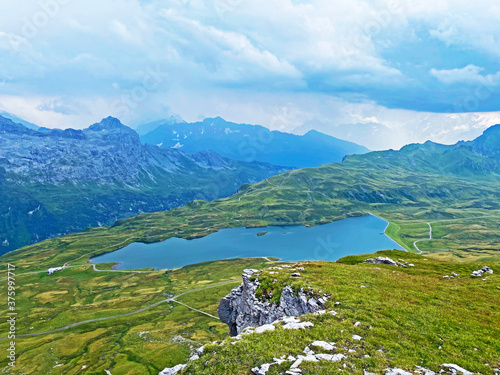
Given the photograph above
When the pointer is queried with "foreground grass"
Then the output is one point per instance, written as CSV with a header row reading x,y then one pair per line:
x,y
408,317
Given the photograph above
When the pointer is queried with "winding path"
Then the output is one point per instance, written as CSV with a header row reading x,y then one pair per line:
x,y
444,221
425,239
173,299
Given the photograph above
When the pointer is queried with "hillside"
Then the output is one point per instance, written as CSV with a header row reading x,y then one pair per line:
x,y
415,319
252,142
58,181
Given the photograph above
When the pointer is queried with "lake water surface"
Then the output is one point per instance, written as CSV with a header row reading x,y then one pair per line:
x,y
359,235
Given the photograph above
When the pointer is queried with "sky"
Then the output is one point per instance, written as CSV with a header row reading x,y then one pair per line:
x,y
418,70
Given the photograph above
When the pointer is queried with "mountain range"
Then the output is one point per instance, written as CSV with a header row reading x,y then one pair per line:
x,y
479,158
59,181
252,143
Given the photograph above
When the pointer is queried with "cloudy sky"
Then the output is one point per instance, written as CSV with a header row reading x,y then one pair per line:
x,y
418,70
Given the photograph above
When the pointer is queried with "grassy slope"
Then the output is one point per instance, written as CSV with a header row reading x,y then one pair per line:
x,y
409,316
144,343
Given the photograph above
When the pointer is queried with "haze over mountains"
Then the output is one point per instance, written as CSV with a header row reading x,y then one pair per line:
x,y
385,134
252,142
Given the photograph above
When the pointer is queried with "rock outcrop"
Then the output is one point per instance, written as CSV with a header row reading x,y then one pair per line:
x,y
383,260
242,309
482,271
173,370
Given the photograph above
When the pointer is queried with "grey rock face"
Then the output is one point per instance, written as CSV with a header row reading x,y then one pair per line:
x,y
241,309
482,271
382,260
105,153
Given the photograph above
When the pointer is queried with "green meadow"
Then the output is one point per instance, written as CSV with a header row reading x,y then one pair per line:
x,y
407,317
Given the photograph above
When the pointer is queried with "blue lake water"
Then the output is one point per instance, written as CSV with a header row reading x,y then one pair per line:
x,y
359,235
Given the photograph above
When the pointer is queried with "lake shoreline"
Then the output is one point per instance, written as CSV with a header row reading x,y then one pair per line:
x,y
324,242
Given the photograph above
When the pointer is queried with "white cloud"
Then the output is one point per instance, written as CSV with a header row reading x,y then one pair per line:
x,y
469,74
279,63
226,48
56,112
467,24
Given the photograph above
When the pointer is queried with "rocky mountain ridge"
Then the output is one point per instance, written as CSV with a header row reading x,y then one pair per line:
x,y
57,181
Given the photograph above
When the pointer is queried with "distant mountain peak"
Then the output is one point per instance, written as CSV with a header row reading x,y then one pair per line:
x,y
488,144
107,123
150,126
315,133
18,120
495,129
215,120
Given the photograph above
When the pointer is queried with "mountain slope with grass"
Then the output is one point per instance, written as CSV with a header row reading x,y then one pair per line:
x,y
252,142
379,317
86,319
55,181
408,317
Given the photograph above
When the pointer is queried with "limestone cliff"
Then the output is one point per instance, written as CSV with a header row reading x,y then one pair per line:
x,y
241,308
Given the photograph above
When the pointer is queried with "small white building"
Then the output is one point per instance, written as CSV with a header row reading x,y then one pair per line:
x,y
50,271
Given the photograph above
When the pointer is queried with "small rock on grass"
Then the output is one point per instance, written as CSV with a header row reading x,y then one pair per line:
x,y
482,271
324,345
455,369
173,370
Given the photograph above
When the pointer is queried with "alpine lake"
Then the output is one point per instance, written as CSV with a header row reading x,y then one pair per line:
x,y
327,242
